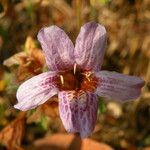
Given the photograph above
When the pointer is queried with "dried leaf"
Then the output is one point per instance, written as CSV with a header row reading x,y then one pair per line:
x,y
11,135
34,115
29,62
17,59
68,142
32,51
50,109
29,44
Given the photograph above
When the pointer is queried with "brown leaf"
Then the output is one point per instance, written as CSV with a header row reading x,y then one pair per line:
x,y
29,44
28,66
37,55
146,148
50,108
12,134
68,142
17,59
29,62
34,116
32,50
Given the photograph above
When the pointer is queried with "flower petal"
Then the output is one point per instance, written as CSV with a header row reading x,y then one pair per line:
x,y
36,91
90,46
57,47
78,111
118,86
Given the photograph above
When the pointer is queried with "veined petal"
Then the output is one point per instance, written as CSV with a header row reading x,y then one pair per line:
x,y
36,91
90,46
118,86
57,47
78,111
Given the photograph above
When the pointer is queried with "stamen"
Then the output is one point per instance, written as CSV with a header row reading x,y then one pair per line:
x,y
88,79
62,79
77,79
75,68
88,75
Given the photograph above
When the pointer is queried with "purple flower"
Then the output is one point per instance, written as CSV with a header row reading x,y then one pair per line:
x,y
76,77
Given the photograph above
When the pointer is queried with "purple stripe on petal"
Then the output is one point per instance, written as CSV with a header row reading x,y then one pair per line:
x,y
79,114
118,86
87,120
57,47
67,105
90,46
36,91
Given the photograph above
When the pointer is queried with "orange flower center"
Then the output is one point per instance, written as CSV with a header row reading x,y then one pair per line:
x,y
77,80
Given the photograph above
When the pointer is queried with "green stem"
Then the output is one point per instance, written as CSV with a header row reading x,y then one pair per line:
x,y
78,13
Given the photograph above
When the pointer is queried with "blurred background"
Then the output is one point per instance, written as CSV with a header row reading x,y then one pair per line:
x,y
120,126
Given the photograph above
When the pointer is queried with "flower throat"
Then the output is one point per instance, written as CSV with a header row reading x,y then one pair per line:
x,y
77,79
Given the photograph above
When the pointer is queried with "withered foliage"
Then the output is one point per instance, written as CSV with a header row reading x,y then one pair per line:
x,y
50,109
27,63
11,136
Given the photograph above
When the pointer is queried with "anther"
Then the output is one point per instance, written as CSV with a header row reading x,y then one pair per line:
x,y
75,68
87,75
62,79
